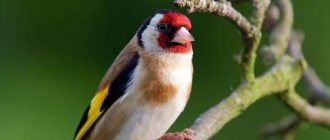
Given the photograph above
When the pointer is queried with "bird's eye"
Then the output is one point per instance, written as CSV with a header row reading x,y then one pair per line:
x,y
163,27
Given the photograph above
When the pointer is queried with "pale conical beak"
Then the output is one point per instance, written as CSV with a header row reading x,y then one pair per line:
x,y
182,36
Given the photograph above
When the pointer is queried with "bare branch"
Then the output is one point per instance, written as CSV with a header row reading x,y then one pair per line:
x,y
285,127
250,32
219,8
279,36
272,17
306,111
317,89
248,56
295,43
260,7
286,72
280,78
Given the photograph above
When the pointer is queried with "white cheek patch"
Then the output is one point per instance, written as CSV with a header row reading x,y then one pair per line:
x,y
150,35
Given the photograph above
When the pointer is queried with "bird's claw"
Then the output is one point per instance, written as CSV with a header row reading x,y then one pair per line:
x,y
184,135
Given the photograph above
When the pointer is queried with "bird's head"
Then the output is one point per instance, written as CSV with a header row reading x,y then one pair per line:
x,y
166,31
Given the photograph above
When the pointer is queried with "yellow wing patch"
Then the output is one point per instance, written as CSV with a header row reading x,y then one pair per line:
x,y
94,112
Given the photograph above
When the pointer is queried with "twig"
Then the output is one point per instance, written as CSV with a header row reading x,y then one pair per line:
x,y
259,10
305,110
277,79
284,127
279,36
272,17
287,126
281,77
248,56
250,31
220,8
317,92
317,89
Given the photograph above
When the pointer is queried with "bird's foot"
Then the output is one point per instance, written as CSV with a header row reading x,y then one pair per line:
x,y
184,135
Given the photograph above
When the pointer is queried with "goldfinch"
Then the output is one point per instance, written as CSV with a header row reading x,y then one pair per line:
x,y
147,86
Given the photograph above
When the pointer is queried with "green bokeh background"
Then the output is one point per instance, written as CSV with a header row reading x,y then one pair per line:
x,y
53,54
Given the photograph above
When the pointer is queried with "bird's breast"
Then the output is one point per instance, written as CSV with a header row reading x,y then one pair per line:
x,y
160,81
157,96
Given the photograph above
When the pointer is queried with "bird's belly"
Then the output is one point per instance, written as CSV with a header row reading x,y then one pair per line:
x,y
149,107
155,104
148,122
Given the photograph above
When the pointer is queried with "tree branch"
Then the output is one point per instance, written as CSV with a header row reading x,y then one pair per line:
x,y
285,127
258,16
306,111
279,36
248,56
219,8
250,32
279,79
318,91
286,72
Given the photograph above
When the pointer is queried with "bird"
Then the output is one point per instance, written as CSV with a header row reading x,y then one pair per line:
x,y
147,86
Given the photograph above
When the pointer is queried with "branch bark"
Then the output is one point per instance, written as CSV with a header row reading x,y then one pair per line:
x,y
305,110
280,79
279,36
287,72
285,127
316,87
318,91
250,31
249,55
221,9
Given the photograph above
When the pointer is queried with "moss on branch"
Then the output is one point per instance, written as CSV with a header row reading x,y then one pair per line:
x,y
279,78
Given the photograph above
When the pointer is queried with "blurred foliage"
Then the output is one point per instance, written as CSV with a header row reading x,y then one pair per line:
x,y
53,54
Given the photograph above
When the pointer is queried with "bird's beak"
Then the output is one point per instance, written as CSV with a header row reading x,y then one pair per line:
x,y
182,36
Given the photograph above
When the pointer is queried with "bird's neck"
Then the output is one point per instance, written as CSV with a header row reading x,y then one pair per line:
x,y
165,58
164,76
